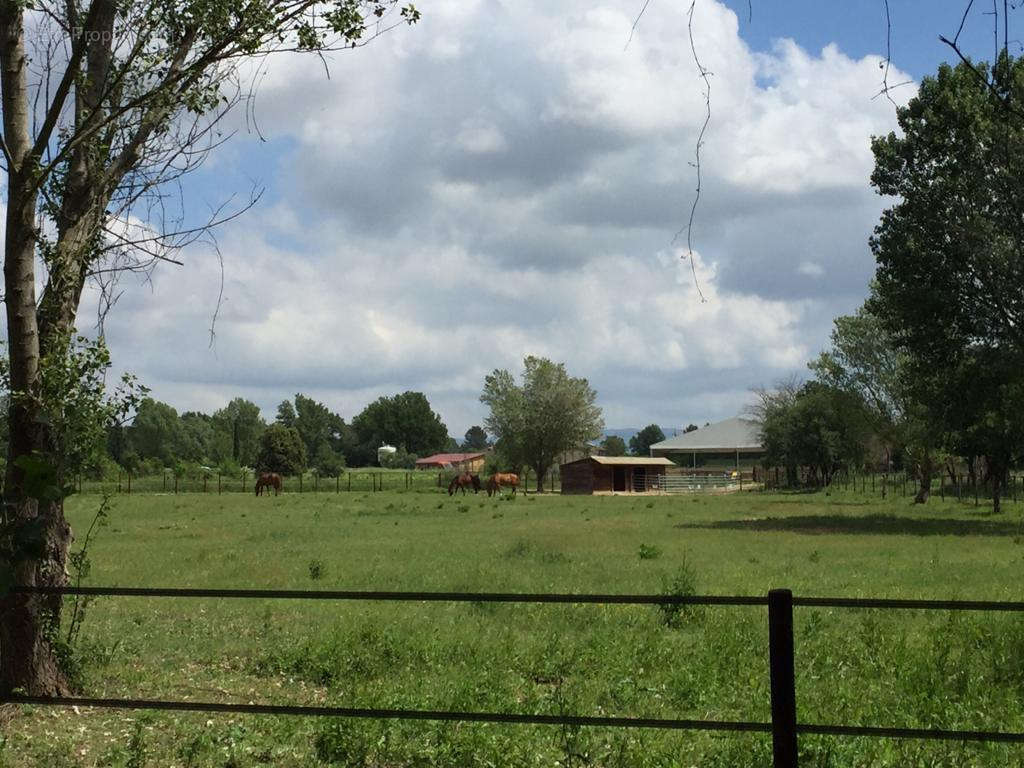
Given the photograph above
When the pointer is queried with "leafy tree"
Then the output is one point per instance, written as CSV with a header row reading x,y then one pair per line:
x,y
322,432
475,439
286,415
239,426
156,432
549,414
814,426
640,443
196,437
950,252
404,420
865,359
281,450
614,445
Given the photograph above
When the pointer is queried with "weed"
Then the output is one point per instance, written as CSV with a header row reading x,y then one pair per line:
x,y
649,552
316,569
682,583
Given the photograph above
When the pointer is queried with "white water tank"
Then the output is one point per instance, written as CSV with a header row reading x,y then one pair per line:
x,y
385,450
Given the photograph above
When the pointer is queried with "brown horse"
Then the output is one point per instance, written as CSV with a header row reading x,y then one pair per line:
x,y
463,480
500,479
266,481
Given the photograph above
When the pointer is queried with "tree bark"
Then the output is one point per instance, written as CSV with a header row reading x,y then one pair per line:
x,y
925,468
27,622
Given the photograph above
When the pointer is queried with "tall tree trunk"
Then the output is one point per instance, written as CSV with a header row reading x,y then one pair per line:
x,y
925,469
27,623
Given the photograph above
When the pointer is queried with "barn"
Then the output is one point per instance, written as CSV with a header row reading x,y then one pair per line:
x,y
611,474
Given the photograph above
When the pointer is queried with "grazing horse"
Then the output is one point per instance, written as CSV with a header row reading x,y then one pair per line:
x,y
266,481
499,479
461,481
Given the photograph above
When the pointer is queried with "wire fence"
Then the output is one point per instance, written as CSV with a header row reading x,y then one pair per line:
x,y
784,727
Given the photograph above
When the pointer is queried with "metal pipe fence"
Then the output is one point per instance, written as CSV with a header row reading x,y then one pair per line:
x,y
785,727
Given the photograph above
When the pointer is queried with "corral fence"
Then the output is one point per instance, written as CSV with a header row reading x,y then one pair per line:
x,y
244,482
962,487
785,727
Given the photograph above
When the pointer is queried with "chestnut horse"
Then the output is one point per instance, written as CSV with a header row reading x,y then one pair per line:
x,y
462,481
266,481
499,479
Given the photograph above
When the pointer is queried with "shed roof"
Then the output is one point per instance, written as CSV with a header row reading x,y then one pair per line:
x,y
729,435
629,461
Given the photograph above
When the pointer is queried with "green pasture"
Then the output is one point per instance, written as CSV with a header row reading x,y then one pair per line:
x,y
861,667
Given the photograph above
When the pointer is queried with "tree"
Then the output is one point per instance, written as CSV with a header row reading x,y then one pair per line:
x,y
549,414
196,437
475,439
238,426
816,426
281,450
950,252
865,359
405,421
127,100
613,445
640,443
321,430
156,432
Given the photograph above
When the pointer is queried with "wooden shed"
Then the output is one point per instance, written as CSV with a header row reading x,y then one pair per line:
x,y
613,474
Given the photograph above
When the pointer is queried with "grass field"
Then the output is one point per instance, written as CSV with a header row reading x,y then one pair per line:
x,y
907,668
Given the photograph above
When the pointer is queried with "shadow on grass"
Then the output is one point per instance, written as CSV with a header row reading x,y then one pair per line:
x,y
867,524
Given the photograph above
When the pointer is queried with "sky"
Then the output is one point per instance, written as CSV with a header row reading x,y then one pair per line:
x,y
510,178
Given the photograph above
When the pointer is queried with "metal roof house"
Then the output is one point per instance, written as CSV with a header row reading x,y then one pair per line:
x,y
730,443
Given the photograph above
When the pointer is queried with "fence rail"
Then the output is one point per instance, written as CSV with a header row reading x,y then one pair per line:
x,y
784,727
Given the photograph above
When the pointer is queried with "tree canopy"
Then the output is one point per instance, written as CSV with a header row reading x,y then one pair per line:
x,y
640,443
405,421
950,253
548,414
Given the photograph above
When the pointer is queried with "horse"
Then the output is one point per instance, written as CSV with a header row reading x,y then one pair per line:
x,y
499,479
461,481
266,481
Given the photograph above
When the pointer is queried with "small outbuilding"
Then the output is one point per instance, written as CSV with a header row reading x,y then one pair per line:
x,y
461,462
613,474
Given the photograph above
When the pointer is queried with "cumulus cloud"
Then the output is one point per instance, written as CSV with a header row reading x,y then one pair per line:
x,y
506,179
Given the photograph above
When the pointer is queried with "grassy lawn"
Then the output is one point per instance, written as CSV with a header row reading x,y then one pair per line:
x,y
906,668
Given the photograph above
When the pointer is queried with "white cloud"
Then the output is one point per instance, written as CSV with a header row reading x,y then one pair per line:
x,y
504,179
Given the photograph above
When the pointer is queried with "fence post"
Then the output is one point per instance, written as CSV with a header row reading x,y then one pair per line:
x,y
129,483
783,680
337,483
350,481
218,483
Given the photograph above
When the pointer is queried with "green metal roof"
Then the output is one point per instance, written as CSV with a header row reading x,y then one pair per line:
x,y
729,435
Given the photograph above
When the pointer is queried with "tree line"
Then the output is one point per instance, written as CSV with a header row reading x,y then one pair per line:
x,y
304,435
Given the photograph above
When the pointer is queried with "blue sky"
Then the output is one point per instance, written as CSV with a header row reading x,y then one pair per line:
x,y
504,179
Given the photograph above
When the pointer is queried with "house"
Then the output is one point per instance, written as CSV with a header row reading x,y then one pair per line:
x,y
730,444
461,462
610,474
